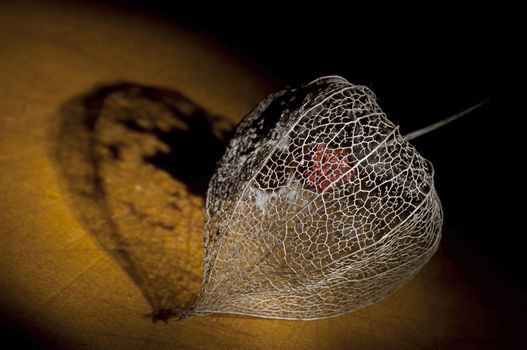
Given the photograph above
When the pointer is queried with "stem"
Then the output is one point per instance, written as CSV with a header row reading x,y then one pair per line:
x,y
415,134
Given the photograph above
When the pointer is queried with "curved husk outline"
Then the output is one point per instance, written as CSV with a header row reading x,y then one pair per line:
x,y
278,248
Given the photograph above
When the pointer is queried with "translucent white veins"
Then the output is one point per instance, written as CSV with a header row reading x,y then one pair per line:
x,y
318,207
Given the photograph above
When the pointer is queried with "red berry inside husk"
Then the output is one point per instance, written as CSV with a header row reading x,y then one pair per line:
x,y
328,168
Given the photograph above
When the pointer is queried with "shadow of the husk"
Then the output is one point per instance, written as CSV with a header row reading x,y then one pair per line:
x,y
134,163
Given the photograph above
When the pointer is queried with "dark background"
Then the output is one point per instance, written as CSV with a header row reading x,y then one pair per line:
x,y
424,64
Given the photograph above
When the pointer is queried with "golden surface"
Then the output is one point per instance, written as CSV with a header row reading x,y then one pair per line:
x,y
57,281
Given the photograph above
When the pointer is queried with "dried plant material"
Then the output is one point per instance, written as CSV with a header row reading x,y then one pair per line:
x,y
318,207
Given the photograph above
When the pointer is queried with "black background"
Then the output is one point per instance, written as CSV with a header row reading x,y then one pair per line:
x,y
424,64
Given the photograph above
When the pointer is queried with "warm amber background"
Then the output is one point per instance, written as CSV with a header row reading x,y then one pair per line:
x,y
59,287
